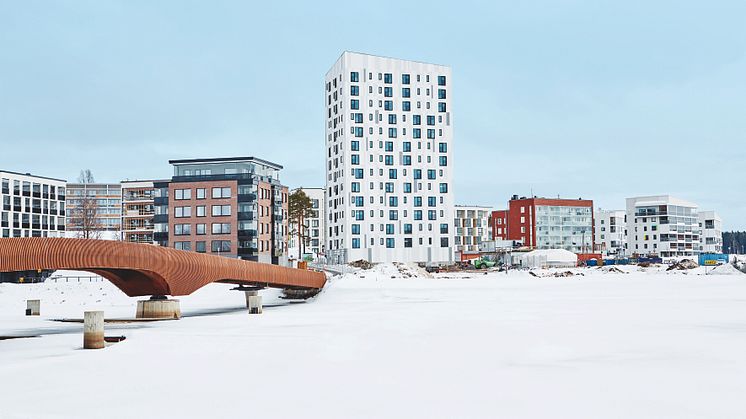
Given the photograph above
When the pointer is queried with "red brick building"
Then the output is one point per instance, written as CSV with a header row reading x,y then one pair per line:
x,y
543,223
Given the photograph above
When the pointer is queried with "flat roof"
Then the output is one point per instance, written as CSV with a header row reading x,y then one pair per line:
x,y
32,175
225,159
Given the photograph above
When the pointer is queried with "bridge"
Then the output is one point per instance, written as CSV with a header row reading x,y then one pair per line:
x,y
145,269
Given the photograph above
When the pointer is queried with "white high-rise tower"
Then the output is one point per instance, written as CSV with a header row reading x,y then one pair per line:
x,y
388,150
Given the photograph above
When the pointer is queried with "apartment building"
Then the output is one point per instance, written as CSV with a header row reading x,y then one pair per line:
x,y
107,200
234,207
662,225
388,160
314,227
499,225
711,226
138,210
32,206
543,223
471,228
610,228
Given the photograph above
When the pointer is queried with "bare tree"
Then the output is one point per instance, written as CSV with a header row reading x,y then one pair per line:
x,y
84,215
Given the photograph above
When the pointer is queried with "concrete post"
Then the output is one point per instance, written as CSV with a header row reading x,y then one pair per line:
x,y
33,307
158,308
254,303
250,294
93,330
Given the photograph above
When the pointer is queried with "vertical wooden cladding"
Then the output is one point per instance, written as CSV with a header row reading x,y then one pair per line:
x,y
143,269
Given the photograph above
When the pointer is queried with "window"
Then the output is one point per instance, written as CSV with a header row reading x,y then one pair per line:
x,y
389,160
356,229
388,105
443,161
416,133
443,188
442,147
221,228
407,242
388,91
441,80
200,247
405,92
441,106
221,210
201,193
359,215
221,193
406,106
431,119
417,174
441,93
407,228
182,212
355,145
418,215
181,194
431,134
387,78
183,246
201,229
182,229
405,79
444,242
354,76
431,174
392,173
355,91
407,187
355,159
390,243
393,215
354,104
358,173
355,243
355,186
358,117
392,132
389,229
431,201
221,246
407,160
431,215
201,210
393,201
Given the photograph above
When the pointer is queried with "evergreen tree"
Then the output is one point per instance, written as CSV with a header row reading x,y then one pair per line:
x,y
300,207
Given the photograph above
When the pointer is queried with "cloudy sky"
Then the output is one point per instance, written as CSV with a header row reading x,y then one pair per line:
x,y
593,99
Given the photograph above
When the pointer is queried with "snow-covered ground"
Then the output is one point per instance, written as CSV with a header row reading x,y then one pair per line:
x,y
642,344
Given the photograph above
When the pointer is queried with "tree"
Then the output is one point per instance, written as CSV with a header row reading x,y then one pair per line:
x,y
300,207
84,215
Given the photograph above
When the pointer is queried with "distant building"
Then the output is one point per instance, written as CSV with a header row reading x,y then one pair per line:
x,y
662,225
471,228
32,206
315,226
542,223
499,225
107,198
711,239
388,160
234,207
138,210
610,231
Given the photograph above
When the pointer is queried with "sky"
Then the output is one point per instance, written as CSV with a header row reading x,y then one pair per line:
x,y
594,99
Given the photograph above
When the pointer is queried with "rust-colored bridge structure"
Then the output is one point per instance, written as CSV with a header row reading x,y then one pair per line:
x,y
145,269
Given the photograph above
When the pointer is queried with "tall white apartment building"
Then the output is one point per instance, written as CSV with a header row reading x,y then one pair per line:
x,y
662,225
32,206
611,231
314,226
711,239
388,149
471,228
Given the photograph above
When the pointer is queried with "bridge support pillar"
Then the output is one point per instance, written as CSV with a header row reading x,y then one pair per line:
x,y
33,307
93,330
158,307
254,302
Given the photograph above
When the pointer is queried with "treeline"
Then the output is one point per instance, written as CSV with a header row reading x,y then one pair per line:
x,y
734,242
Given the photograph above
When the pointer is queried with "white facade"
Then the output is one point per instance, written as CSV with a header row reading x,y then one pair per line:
x,y
711,239
32,206
662,225
610,228
471,228
315,227
388,160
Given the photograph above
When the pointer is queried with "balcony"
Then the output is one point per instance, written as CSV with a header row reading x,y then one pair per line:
x,y
249,197
161,200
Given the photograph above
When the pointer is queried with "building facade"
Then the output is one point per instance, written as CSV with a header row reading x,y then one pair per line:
x,y
234,207
32,206
711,225
107,199
663,226
542,223
388,160
610,232
471,228
499,224
314,227
138,210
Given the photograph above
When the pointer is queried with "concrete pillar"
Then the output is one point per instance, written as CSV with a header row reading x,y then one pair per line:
x,y
93,330
33,307
250,294
254,303
158,309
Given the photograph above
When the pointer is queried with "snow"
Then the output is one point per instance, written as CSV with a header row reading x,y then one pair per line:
x,y
395,342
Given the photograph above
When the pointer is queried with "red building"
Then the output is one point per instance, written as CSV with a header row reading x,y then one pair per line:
x,y
543,223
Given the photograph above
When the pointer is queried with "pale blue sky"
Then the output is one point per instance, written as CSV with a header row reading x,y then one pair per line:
x,y
597,99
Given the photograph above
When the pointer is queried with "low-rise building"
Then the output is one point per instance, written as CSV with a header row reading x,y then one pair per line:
x,y
711,239
32,206
662,225
471,228
610,232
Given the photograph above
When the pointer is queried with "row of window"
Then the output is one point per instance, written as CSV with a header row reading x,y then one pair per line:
x,y
217,193
388,78
217,211
388,105
201,229
390,242
389,146
359,215
389,228
217,246
432,201
406,92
